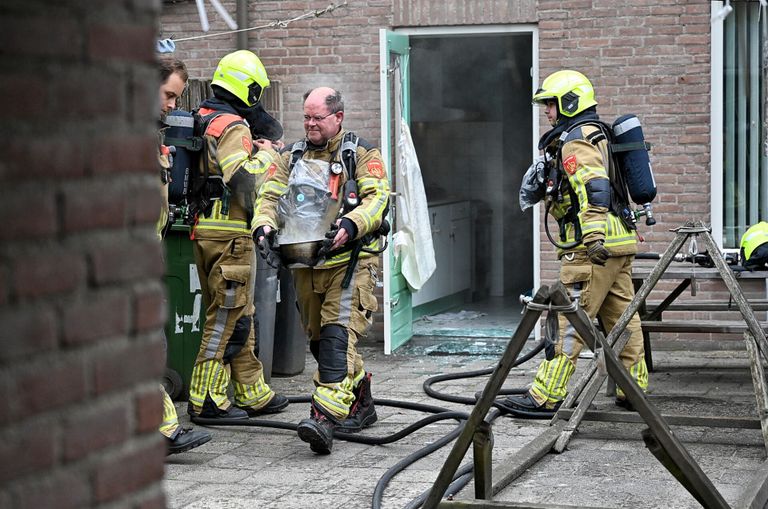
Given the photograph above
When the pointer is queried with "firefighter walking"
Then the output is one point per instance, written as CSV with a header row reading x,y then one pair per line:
x,y
596,245
334,313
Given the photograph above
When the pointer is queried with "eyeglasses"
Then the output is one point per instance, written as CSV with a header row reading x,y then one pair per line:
x,y
317,118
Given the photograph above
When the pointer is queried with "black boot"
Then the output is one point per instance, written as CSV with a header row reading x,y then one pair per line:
x,y
185,439
275,405
523,405
211,411
317,430
624,403
362,413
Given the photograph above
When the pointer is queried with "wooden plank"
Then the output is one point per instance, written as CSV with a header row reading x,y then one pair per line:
x,y
516,465
756,305
758,381
696,327
756,494
487,504
586,399
492,388
676,420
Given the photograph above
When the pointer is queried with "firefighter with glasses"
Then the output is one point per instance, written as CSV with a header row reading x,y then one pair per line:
x,y
329,190
597,246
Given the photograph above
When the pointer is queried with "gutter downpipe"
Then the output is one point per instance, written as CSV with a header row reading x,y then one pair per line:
x,y
242,22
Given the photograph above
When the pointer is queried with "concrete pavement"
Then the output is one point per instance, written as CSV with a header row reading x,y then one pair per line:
x,y
606,465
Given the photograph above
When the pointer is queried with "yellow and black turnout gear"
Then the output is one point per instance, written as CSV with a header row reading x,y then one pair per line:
x,y
334,317
601,279
224,254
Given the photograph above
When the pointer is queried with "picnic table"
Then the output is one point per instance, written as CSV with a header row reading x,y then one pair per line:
x,y
652,312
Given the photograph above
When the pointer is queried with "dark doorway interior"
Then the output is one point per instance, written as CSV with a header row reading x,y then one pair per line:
x,y
471,120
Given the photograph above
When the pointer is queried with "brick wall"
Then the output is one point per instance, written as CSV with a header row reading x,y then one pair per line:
x,y
650,58
80,268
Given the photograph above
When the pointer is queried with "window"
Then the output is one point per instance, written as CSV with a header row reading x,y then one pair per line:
x,y
745,165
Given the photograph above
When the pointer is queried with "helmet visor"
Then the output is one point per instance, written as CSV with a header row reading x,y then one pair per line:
x,y
542,96
254,93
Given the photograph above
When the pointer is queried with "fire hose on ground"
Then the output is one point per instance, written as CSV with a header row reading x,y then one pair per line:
x,y
463,475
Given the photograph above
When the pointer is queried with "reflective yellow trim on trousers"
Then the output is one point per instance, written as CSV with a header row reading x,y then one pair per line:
x,y
256,396
170,420
223,224
551,380
209,378
338,399
639,372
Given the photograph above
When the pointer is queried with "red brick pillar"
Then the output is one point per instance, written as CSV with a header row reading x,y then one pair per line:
x,y
81,349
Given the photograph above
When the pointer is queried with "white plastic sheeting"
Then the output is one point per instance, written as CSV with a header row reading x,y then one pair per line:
x,y
413,239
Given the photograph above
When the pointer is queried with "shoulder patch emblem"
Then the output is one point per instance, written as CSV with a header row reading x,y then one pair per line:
x,y
271,170
247,144
570,164
376,169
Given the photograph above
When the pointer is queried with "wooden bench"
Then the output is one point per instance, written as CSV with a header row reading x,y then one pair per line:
x,y
707,305
696,327
652,320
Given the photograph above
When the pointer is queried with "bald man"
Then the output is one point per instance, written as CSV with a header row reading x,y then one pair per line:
x,y
333,316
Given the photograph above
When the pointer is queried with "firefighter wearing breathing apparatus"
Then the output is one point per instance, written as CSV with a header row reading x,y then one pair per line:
x,y
232,167
331,178
596,246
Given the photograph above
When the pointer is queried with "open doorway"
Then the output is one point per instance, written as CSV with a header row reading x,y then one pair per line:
x,y
471,121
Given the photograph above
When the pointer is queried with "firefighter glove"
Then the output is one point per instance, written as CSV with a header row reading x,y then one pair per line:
x,y
597,252
266,246
325,249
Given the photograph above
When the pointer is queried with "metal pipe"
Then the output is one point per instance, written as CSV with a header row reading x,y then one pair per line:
x,y
242,22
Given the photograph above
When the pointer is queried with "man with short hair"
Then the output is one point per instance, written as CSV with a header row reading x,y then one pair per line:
x,y
173,79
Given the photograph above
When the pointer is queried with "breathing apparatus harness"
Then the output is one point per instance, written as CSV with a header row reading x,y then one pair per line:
x,y
617,176
192,189
350,199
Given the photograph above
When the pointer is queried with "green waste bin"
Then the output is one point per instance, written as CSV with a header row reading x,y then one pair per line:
x,y
186,315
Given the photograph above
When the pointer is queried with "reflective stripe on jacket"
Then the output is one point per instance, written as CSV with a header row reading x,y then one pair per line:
x,y
373,188
231,155
583,165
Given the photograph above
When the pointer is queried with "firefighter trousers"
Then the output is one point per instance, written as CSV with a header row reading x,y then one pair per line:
x,y
604,292
334,318
227,270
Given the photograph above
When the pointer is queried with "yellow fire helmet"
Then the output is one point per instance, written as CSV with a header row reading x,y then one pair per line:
x,y
243,74
571,89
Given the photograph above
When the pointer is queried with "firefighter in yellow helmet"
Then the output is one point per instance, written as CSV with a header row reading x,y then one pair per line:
x,y
173,78
237,150
596,245
754,246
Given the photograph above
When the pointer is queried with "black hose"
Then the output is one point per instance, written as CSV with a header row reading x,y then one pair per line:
x,y
381,484
427,385
462,476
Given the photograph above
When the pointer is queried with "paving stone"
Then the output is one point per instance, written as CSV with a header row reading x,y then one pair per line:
x,y
605,465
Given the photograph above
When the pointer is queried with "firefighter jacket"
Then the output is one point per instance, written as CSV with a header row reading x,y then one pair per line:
x,y
229,153
163,159
586,192
373,187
